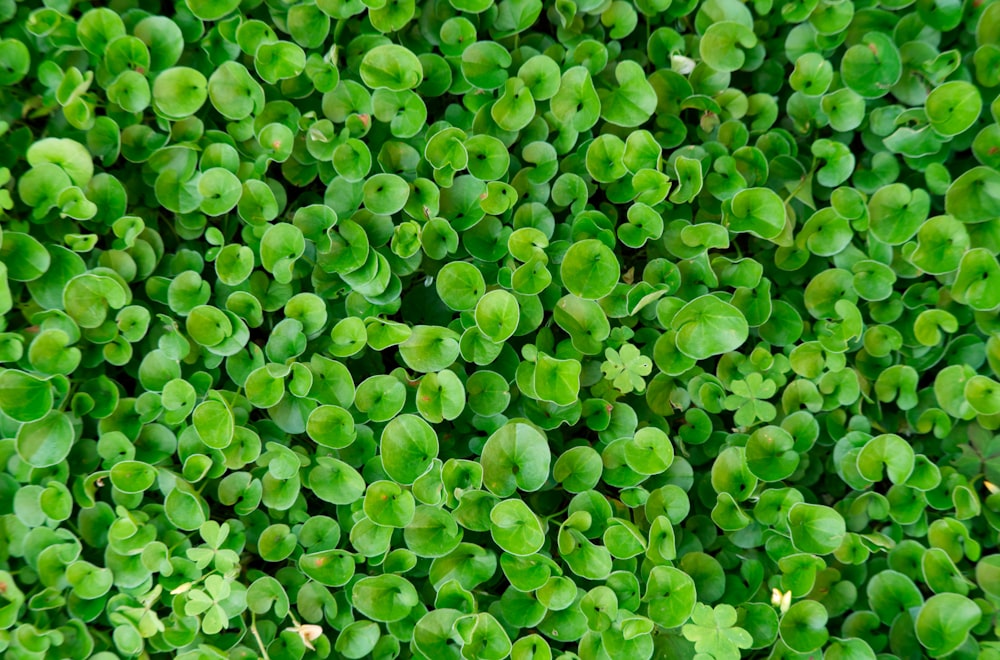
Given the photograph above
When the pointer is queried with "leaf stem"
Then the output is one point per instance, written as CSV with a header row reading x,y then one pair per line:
x,y
803,181
256,635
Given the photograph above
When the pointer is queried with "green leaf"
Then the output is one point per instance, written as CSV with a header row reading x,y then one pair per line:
x,y
633,101
429,348
388,505
714,632
132,476
18,59
460,285
975,284
211,10
46,441
557,381
71,156
896,212
332,568
803,626
385,598
815,528
24,397
391,67
516,456
707,326
331,426
483,637
974,196
515,528
440,396
757,210
577,103
281,245
87,298
983,395
87,580
233,91
944,623
627,369
889,451
515,108
497,315
690,179
409,445
671,596
770,454
380,397
953,107
336,482
179,92
385,194
844,108
590,269
873,66
718,46
278,60
812,75
213,420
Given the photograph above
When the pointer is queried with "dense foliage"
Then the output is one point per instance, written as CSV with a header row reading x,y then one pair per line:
x,y
600,329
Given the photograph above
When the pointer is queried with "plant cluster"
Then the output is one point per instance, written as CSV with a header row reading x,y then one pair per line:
x,y
475,329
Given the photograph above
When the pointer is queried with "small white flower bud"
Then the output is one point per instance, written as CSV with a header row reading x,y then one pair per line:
x,y
681,64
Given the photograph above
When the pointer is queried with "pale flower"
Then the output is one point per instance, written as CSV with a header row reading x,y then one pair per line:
x,y
184,588
681,64
781,600
309,633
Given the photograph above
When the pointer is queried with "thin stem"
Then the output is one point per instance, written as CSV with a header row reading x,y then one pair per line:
x,y
256,635
805,179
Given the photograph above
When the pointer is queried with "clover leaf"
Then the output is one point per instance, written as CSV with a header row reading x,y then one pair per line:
x,y
626,368
749,400
715,633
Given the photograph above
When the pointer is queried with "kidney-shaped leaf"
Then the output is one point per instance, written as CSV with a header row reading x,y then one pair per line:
x,y
179,92
944,623
873,66
132,476
516,528
803,626
391,67
516,456
45,442
888,451
590,270
87,580
24,397
385,598
759,211
213,420
429,348
671,595
708,326
408,447
953,107
815,528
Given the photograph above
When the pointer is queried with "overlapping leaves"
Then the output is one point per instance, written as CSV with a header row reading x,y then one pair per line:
x,y
475,329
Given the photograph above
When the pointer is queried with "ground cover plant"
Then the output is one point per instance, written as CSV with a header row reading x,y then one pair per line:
x,y
474,329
